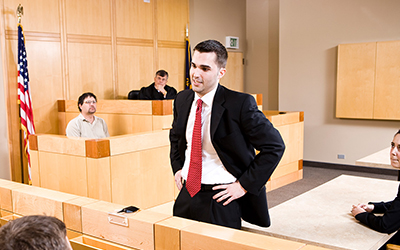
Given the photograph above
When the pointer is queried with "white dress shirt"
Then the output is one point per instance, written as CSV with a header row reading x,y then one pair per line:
x,y
213,171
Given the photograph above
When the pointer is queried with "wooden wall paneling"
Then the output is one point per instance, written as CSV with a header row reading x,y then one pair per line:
x,y
233,78
172,59
35,170
208,236
132,123
355,80
44,62
30,200
141,141
99,178
14,124
135,68
125,172
147,170
45,14
162,122
62,144
90,69
387,81
63,173
172,18
134,19
89,17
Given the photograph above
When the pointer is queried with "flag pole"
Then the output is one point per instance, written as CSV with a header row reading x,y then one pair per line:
x,y
20,12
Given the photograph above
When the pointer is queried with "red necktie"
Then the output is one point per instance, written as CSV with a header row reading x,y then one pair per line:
x,y
193,184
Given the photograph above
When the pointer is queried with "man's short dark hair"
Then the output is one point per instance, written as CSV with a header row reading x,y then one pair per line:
x,y
216,47
83,97
34,232
162,73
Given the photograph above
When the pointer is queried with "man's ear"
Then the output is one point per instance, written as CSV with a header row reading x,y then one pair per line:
x,y
221,73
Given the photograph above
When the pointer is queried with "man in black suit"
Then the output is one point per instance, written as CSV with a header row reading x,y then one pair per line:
x,y
158,90
232,176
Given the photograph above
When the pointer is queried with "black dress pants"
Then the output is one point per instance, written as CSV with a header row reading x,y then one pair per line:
x,y
202,207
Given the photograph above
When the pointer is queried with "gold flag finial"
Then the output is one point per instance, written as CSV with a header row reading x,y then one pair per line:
x,y
20,12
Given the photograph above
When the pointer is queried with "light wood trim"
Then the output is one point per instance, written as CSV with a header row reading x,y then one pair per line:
x,y
392,247
171,44
386,100
135,42
355,80
140,107
167,233
34,36
137,142
234,76
72,38
62,144
99,178
86,242
206,236
30,200
97,148
72,210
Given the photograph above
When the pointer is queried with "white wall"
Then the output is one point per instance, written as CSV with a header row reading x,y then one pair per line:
x,y
262,57
310,31
216,19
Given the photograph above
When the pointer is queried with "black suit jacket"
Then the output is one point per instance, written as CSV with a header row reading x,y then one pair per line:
x,y
237,128
389,222
151,93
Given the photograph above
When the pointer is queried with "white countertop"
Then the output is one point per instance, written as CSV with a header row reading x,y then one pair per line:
x,y
322,215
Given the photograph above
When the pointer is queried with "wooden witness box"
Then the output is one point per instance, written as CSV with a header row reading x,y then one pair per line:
x,y
122,116
129,169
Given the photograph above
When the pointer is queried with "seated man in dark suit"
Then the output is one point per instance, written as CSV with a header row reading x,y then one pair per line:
x,y
158,90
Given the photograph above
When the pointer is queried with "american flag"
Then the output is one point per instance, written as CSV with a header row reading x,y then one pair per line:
x,y
24,96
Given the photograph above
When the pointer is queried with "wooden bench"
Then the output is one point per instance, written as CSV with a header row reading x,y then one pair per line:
x,y
102,228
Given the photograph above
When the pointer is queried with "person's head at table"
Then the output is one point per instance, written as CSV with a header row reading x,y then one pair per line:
x,y
87,104
160,79
208,66
34,232
395,151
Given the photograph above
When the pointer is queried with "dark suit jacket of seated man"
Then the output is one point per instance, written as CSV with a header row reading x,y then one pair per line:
x,y
158,90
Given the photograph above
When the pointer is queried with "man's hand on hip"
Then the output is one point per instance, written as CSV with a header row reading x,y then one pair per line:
x,y
229,193
178,179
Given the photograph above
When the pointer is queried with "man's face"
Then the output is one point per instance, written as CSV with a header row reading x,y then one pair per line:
x,y
88,106
204,72
160,81
395,152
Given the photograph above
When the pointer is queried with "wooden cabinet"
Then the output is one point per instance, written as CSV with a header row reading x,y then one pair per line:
x,y
367,76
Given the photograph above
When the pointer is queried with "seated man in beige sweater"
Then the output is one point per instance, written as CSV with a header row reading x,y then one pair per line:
x,y
87,124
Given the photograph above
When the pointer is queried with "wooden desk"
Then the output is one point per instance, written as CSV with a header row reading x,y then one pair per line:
x,y
322,215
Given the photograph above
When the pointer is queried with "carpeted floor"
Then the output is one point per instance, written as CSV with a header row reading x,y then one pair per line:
x,y
315,176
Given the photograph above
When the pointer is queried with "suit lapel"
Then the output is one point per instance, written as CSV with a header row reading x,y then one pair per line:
x,y
185,108
217,109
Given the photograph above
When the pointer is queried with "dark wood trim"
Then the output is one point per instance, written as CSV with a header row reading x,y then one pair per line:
x,y
33,142
97,148
349,167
